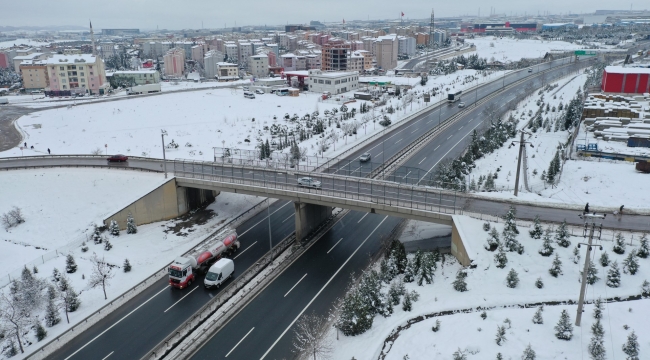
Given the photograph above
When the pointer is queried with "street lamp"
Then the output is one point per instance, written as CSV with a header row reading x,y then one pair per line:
x,y
268,215
162,135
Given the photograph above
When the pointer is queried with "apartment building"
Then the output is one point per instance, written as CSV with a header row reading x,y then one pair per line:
x,y
210,61
139,77
227,71
369,44
174,61
314,61
355,62
245,52
258,65
406,45
34,74
76,73
421,38
335,55
232,52
333,82
386,51
18,59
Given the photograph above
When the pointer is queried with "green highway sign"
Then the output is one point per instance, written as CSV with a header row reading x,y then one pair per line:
x,y
586,53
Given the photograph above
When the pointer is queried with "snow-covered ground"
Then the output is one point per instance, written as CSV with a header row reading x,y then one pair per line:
x,y
508,49
206,119
60,206
27,42
487,288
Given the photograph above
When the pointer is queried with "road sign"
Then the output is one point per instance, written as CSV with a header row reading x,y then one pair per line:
x,y
585,53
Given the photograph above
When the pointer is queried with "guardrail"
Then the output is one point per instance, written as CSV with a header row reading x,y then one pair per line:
x,y
75,156
48,348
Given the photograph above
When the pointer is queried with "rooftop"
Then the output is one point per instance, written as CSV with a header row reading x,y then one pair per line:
x,y
626,70
71,59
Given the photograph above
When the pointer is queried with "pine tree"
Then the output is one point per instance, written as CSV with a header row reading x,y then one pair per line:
x,y
487,227
40,331
529,353
562,235
12,351
645,288
564,328
71,300
97,237
619,244
499,356
35,270
395,292
510,231
114,228
427,267
613,275
459,355
576,255
407,305
596,346
70,265
493,241
547,247
556,268
631,347
539,283
501,335
483,315
631,263
355,317
500,258
409,273
56,275
512,279
417,261
51,314
460,284
537,231
537,318
51,292
398,253
592,273
604,259
644,250
598,309
108,245
131,228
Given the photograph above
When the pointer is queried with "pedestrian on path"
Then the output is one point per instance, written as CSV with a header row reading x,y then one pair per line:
x,y
586,208
48,151
620,210
25,145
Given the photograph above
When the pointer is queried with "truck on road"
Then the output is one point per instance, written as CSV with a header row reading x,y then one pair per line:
x,y
453,97
143,89
184,270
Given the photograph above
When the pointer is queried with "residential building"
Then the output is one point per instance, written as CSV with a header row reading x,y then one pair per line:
x,y
232,53
245,52
386,51
406,45
76,73
369,44
335,55
34,74
106,50
258,65
227,71
422,38
198,53
333,82
210,61
439,36
18,59
187,48
139,77
174,63
120,31
313,61
355,62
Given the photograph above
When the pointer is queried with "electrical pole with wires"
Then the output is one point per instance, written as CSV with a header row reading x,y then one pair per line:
x,y
522,148
591,230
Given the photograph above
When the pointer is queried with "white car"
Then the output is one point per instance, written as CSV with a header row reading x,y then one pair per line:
x,y
258,91
364,157
461,105
309,182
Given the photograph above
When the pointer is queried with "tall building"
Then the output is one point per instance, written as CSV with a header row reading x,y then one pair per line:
x,y
335,55
386,51
258,65
210,61
174,63
34,74
406,45
77,73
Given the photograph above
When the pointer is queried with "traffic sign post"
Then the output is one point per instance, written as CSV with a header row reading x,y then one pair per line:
x,y
106,147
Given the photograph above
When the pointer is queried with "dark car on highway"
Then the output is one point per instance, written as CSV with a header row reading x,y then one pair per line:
x,y
117,158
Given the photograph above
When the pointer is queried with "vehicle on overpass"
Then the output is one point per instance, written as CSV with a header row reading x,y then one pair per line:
x,y
184,269
309,182
117,158
461,104
453,97
365,157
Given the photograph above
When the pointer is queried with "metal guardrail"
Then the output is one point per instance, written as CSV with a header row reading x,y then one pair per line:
x,y
48,348
75,156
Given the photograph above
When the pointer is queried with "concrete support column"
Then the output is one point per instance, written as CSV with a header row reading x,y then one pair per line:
x,y
308,217
457,247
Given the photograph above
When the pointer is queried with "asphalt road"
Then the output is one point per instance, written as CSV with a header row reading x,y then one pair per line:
x,y
9,135
134,328
411,64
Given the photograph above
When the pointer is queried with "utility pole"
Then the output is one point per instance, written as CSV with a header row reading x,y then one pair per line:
x,y
162,135
522,145
583,285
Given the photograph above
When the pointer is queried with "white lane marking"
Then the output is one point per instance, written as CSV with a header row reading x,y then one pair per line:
x,y
414,131
250,228
461,128
117,322
321,290
436,148
407,174
289,217
106,357
242,339
243,251
443,156
285,295
450,136
363,217
422,160
397,142
328,251
181,299
381,152
470,120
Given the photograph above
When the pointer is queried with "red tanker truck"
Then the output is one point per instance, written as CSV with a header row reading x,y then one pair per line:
x,y
183,270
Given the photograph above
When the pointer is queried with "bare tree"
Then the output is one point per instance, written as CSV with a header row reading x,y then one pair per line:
x,y
311,337
13,317
102,273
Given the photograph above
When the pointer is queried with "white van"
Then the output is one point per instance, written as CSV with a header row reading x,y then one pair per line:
x,y
221,271
249,95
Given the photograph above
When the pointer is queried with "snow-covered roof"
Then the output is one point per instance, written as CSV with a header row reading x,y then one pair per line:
x,y
135,72
27,57
225,64
71,59
259,56
626,70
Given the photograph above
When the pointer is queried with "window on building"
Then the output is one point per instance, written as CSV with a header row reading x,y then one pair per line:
x,y
64,87
83,80
82,74
61,68
81,67
91,73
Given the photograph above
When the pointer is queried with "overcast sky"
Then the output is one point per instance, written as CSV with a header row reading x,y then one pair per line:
x,y
178,14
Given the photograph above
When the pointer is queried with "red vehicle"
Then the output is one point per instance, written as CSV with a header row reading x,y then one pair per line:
x,y
117,158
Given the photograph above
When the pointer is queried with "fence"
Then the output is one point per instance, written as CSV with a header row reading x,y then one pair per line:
x,y
84,324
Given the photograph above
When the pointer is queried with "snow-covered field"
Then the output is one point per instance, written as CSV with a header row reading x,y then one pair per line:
x,y
508,49
205,119
60,206
28,42
487,289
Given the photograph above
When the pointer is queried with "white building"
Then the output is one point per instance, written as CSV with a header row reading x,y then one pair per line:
x,y
386,51
406,45
227,71
245,52
333,82
232,52
210,61
258,65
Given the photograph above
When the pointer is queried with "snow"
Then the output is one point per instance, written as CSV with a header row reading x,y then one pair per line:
x,y
487,289
508,49
204,119
28,42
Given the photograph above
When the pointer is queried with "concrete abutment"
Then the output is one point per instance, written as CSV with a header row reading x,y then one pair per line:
x,y
309,217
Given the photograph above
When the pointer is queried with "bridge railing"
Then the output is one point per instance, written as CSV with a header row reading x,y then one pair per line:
x,y
332,186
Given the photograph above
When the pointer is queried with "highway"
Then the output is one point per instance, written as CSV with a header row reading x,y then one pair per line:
x,y
147,323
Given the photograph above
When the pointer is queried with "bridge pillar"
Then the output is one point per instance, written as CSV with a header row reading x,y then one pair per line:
x,y
458,248
308,217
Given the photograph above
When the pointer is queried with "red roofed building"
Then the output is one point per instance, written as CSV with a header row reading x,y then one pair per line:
x,y
626,80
